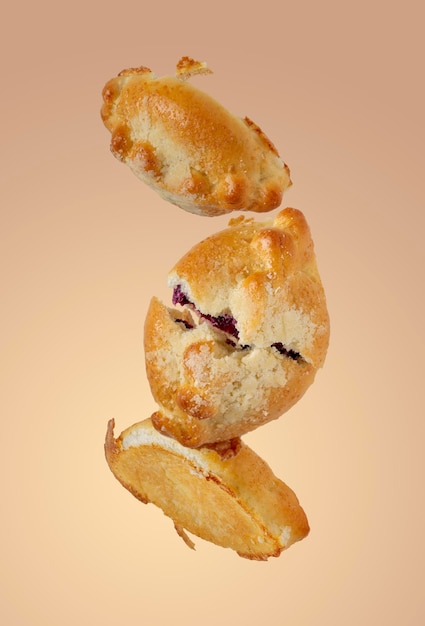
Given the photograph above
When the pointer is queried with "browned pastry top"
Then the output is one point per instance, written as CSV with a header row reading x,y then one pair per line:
x,y
188,147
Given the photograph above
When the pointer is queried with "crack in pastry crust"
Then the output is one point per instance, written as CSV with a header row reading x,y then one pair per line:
x,y
227,324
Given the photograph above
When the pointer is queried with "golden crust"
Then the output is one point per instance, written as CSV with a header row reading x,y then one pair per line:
x,y
188,147
212,385
235,502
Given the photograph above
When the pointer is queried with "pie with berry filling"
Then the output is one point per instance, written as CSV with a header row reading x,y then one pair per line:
x,y
246,335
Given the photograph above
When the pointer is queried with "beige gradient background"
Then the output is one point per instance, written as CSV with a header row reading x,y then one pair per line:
x,y
339,87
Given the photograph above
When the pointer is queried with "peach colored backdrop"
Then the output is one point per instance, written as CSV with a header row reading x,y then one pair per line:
x,y
339,87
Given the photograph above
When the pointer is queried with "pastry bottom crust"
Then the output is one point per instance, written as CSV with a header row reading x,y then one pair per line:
x,y
229,498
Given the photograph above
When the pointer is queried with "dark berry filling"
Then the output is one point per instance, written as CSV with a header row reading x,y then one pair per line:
x,y
186,324
179,297
285,352
235,345
224,322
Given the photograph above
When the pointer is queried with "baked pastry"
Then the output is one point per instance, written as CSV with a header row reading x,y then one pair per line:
x,y
227,495
247,334
188,147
